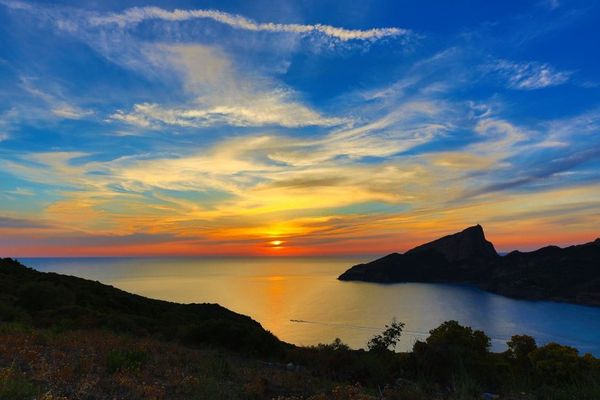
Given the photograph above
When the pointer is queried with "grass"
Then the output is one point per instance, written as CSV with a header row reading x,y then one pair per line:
x,y
125,360
82,364
14,385
105,365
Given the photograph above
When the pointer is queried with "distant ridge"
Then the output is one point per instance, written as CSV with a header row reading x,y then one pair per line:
x,y
570,274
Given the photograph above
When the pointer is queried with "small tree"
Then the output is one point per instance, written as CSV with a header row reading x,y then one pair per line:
x,y
519,347
451,350
336,345
388,339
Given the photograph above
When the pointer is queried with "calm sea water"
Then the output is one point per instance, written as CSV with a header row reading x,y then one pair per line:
x,y
301,301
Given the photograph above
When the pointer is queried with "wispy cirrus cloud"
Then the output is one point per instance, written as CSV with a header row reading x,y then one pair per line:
x,y
8,119
219,92
58,105
551,4
222,95
137,15
535,159
268,109
261,174
306,132
21,223
529,75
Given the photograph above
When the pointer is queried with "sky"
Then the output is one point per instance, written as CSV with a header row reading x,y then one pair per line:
x,y
296,127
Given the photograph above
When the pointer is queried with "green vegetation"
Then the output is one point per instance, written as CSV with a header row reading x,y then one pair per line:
x,y
125,360
454,362
388,339
97,365
14,386
67,338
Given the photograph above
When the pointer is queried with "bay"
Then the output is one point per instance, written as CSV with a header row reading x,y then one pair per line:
x,y
300,300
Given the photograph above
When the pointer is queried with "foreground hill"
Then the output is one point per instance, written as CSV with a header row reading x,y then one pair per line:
x,y
570,274
52,300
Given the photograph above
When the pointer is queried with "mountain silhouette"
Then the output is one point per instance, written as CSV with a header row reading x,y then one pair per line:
x,y
470,243
570,274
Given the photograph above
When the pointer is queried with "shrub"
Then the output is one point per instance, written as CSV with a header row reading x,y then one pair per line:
x,y
388,339
557,364
453,350
125,360
519,346
14,386
336,345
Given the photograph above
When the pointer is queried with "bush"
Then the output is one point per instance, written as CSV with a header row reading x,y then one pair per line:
x,y
388,339
14,386
336,345
519,346
557,364
125,360
9,313
453,350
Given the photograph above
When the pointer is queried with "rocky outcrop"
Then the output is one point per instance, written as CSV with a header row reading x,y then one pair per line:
x,y
470,243
570,274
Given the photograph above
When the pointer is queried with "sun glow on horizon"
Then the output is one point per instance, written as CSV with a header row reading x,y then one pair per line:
x,y
197,137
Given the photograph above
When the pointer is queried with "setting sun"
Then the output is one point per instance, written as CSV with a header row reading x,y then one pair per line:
x,y
276,243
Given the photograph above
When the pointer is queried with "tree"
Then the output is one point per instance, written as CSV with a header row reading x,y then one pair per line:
x,y
388,339
519,347
336,345
453,349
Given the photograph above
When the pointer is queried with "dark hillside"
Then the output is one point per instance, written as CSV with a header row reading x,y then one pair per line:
x,y
48,300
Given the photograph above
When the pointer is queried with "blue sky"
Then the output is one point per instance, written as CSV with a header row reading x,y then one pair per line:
x,y
219,127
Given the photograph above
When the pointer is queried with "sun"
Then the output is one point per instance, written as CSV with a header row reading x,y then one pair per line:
x,y
276,243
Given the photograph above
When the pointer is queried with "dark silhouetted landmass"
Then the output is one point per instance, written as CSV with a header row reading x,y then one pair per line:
x,y
570,274
49,300
468,244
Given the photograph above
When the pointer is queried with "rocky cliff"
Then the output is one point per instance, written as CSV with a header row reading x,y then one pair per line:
x,y
569,274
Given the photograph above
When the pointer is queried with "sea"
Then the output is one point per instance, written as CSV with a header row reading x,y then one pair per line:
x,y
301,301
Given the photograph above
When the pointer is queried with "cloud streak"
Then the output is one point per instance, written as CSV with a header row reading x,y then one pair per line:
x,y
57,104
528,75
20,223
136,15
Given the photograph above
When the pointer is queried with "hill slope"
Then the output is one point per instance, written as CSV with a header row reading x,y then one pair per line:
x,y
52,300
